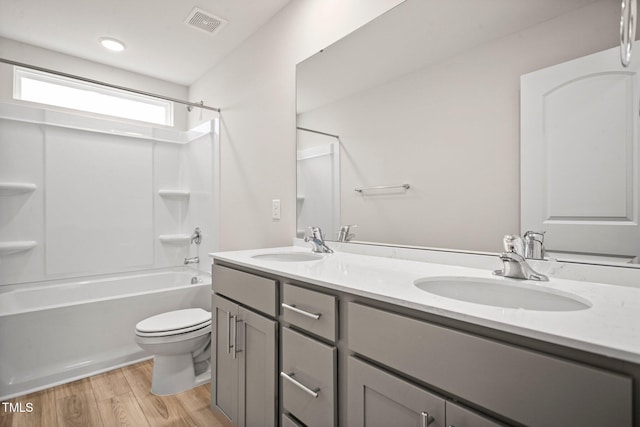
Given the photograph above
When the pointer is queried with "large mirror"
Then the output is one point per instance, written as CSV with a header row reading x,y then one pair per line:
x,y
410,127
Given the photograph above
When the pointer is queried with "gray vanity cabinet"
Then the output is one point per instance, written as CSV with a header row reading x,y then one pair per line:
x,y
309,379
379,399
294,354
312,311
244,356
529,387
458,416
288,422
224,390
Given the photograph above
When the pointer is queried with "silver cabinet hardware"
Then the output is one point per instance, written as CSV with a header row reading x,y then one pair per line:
x,y
295,309
235,336
424,419
627,30
228,333
232,338
298,384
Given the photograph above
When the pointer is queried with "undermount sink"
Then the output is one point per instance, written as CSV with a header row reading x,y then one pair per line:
x,y
502,293
289,256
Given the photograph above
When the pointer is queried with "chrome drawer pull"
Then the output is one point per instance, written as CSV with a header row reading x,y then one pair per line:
x,y
229,346
424,417
295,309
235,336
297,383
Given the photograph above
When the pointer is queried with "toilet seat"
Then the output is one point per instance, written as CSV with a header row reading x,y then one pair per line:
x,y
174,323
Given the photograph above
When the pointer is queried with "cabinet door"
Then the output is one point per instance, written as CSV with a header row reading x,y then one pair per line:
x,y
379,399
457,416
224,388
256,347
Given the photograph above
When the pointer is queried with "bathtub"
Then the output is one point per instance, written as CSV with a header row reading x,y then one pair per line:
x,y
52,333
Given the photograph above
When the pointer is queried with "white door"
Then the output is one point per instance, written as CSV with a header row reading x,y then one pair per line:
x,y
579,157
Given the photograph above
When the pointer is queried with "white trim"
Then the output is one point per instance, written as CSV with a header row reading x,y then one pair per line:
x,y
61,119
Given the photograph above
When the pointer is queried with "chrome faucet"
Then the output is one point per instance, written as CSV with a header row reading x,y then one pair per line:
x,y
344,234
194,260
515,263
534,245
317,241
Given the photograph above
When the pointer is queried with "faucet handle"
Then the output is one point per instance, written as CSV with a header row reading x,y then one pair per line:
x,y
344,234
534,244
513,243
316,232
535,235
196,237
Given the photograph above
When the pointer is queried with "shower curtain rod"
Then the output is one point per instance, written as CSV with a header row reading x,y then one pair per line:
x,y
98,82
317,131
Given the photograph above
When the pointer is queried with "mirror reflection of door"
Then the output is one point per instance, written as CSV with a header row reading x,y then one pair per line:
x,y
580,157
318,175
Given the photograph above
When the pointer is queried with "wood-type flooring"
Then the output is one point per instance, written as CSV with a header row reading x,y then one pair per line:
x,y
121,397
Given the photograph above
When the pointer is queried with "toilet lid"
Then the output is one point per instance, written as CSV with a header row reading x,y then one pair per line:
x,y
175,320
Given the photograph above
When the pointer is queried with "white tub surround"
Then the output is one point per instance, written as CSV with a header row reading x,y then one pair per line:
x,y
54,332
68,213
609,327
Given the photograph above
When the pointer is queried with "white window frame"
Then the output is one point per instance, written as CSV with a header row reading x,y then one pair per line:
x,y
98,93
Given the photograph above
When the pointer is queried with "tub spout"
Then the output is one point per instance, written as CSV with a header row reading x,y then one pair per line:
x,y
194,260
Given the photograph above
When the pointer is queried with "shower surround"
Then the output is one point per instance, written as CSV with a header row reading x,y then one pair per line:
x,y
82,198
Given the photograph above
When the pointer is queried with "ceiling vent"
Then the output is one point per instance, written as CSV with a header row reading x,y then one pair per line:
x,y
205,21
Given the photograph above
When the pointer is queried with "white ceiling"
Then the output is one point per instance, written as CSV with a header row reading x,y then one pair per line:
x,y
159,43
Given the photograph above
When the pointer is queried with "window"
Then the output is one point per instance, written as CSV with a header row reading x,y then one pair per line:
x,y
50,89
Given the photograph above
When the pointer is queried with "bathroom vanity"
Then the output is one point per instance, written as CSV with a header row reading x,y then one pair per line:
x,y
353,340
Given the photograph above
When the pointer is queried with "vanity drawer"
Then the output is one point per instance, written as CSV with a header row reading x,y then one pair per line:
x,y
310,310
248,289
526,386
309,379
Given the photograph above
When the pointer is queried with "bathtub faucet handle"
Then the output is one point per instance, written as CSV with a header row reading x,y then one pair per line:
x,y
196,237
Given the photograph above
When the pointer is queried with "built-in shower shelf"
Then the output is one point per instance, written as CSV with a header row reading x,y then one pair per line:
x,y
300,198
175,239
7,248
13,188
174,194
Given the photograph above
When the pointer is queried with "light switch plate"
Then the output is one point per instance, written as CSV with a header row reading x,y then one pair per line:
x,y
275,209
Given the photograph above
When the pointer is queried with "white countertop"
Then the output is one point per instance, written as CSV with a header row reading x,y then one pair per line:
x,y
610,327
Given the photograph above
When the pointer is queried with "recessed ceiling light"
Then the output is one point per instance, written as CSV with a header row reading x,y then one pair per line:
x,y
112,44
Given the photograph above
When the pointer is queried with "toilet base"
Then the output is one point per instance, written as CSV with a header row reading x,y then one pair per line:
x,y
174,374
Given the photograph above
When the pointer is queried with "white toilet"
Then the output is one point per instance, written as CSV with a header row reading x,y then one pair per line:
x,y
181,344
